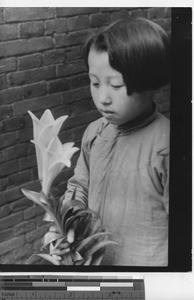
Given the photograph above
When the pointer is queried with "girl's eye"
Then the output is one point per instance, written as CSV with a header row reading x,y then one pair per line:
x,y
117,86
95,84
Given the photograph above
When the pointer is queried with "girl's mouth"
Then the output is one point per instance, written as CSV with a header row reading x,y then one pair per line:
x,y
107,112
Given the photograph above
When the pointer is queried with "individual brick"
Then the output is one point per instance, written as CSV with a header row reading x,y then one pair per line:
x,y
8,168
12,124
78,23
39,44
30,62
54,56
34,90
31,29
25,77
8,32
11,95
55,26
14,48
8,65
50,72
58,85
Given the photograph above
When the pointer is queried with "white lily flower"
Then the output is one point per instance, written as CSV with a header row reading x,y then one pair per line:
x,y
44,129
54,158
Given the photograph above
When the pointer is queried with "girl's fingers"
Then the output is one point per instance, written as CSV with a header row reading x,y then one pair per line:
x,y
70,236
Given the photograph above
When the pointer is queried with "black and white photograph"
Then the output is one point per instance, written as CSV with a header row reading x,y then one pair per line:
x,y
95,138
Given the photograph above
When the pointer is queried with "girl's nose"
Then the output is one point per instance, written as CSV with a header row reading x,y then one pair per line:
x,y
104,97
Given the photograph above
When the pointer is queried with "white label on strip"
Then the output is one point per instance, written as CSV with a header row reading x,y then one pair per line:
x,y
119,284
83,288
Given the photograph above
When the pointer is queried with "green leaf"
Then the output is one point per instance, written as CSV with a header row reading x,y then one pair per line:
x,y
76,216
35,197
91,238
69,207
97,261
88,261
98,246
78,259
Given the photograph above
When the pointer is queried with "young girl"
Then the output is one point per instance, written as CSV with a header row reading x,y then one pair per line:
x,y
123,168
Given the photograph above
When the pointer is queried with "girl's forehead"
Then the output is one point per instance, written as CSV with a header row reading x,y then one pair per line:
x,y
98,62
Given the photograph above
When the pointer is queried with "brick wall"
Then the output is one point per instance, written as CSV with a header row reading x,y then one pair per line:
x,y
41,67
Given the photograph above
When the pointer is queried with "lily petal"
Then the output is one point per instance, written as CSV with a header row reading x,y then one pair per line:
x,y
53,171
47,118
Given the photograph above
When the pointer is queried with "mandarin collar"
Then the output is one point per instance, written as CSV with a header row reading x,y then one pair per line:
x,y
137,123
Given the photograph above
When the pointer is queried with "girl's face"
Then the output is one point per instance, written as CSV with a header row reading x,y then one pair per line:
x,y
109,92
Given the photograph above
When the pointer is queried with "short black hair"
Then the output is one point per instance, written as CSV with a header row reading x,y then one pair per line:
x,y
137,48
